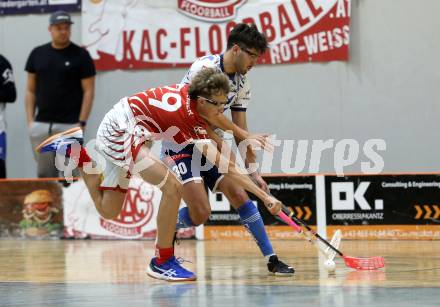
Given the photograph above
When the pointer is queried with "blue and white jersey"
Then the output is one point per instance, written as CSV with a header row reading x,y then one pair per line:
x,y
239,96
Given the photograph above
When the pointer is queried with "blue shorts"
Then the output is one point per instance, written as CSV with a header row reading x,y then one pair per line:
x,y
183,166
3,146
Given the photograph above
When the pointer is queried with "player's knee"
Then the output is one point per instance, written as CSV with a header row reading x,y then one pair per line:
x,y
108,211
109,205
199,208
109,215
237,196
200,214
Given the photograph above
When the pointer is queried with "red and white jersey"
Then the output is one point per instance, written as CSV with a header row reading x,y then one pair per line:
x,y
168,112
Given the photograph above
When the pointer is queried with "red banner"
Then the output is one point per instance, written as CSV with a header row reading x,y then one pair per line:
x,y
122,35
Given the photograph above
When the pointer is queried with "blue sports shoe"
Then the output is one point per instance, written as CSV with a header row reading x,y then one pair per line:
x,y
170,270
61,141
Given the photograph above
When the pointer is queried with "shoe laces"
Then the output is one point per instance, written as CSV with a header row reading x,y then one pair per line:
x,y
180,260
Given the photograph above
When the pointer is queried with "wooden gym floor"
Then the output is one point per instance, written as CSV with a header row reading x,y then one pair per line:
x,y
112,273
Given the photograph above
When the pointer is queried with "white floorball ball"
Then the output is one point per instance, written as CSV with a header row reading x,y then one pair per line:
x,y
329,265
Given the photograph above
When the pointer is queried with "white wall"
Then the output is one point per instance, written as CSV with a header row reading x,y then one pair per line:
x,y
388,89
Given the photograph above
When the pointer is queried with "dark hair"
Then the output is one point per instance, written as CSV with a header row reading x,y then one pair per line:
x,y
208,82
247,36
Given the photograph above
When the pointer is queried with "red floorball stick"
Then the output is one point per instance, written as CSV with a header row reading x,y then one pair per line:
x,y
358,263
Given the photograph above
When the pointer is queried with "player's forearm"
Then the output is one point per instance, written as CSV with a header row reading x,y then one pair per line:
x,y
221,145
250,158
248,184
222,122
224,163
247,154
240,177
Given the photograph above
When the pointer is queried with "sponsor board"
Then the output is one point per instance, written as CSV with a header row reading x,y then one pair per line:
x,y
31,209
402,207
9,7
81,219
137,219
384,206
388,232
383,200
240,233
296,192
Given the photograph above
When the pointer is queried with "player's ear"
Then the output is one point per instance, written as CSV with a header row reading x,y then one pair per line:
x,y
235,48
201,101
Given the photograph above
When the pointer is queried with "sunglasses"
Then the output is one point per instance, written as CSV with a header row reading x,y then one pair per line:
x,y
213,102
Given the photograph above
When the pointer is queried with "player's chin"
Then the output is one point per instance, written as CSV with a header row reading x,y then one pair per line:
x,y
246,70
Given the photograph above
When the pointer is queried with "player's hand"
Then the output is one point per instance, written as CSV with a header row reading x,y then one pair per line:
x,y
256,177
261,140
273,205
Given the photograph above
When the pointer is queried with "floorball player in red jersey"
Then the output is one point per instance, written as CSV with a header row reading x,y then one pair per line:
x,y
177,113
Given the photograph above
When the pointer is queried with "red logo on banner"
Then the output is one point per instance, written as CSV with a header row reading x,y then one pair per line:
x,y
210,10
136,212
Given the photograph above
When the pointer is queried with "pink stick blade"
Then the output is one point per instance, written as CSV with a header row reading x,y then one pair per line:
x,y
369,263
289,222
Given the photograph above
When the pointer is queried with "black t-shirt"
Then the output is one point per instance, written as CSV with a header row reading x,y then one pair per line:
x,y
7,84
58,89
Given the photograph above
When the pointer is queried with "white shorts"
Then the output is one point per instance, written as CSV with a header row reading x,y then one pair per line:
x,y
119,140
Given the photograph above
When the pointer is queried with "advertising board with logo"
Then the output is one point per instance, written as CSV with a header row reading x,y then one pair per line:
x,y
143,34
361,206
31,209
8,7
45,208
296,192
137,219
385,206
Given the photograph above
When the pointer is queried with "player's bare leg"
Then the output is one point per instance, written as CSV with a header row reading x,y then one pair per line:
x,y
236,195
164,265
158,174
108,203
196,198
68,142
